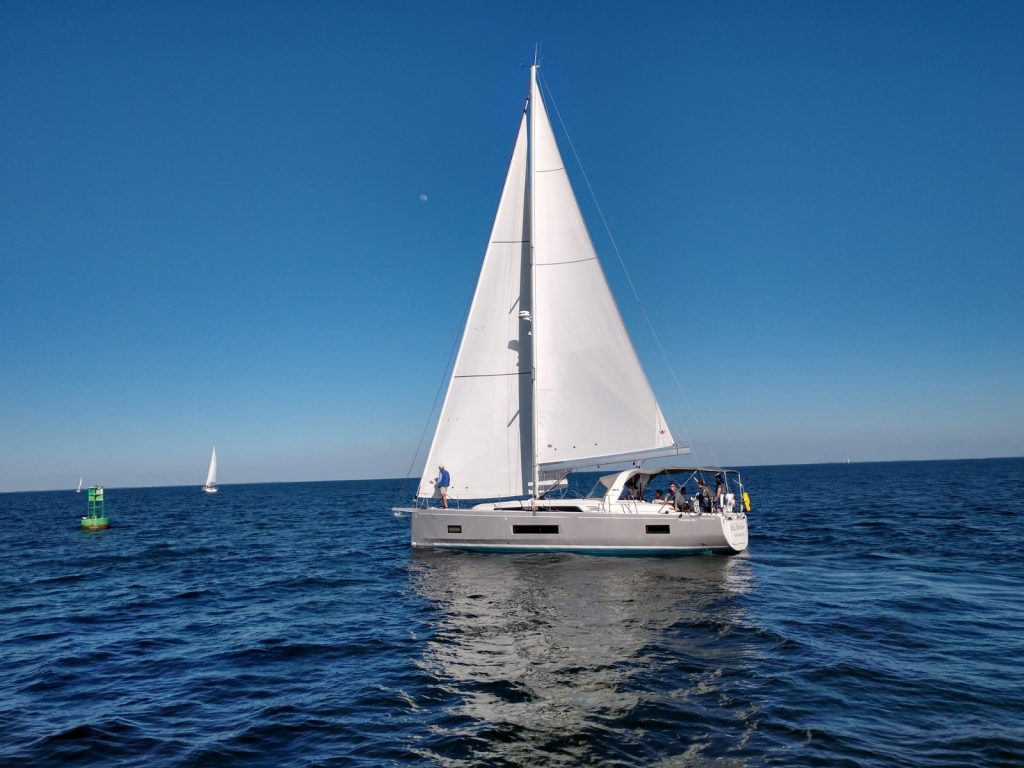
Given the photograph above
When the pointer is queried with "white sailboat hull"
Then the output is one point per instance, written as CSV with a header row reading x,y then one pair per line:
x,y
209,489
635,529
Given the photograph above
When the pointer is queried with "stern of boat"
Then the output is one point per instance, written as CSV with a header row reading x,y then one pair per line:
x,y
734,529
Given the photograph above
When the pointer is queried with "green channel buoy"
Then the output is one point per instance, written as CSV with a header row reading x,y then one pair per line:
x,y
96,519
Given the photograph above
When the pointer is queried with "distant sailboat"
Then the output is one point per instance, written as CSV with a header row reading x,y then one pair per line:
x,y
79,485
211,476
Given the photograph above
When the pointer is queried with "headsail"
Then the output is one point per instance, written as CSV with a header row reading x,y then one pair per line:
x,y
484,433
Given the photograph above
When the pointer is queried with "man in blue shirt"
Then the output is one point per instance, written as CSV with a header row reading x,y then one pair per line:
x,y
443,480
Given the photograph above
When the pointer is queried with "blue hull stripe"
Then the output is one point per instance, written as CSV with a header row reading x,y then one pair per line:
x,y
607,551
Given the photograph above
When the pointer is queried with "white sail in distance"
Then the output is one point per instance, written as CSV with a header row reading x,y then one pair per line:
x,y
211,476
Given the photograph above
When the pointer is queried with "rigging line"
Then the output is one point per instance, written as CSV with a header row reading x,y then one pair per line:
x,y
629,279
437,395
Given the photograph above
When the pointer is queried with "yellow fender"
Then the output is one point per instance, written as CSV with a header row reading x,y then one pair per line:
x,y
746,502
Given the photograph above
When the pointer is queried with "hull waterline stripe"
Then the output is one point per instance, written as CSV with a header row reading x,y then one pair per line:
x,y
579,550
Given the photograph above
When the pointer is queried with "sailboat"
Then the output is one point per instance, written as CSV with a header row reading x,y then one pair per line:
x,y
80,485
211,476
546,381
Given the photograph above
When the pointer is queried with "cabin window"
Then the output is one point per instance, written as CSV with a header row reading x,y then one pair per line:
x,y
657,529
454,529
534,529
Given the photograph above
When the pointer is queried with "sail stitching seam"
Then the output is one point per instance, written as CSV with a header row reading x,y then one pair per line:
x,y
487,375
571,261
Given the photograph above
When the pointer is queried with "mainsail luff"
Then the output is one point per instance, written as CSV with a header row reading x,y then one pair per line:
x,y
534,457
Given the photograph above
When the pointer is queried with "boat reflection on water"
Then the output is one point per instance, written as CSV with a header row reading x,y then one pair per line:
x,y
570,658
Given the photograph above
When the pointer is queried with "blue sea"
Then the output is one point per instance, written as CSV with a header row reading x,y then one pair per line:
x,y
876,620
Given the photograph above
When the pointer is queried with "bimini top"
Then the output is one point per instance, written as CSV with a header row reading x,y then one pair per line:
x,y
611,486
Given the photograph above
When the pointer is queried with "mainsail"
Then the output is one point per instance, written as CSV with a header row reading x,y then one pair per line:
x,y
593,398
544,348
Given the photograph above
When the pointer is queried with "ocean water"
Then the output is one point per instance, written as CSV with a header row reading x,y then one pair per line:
x,y
876,620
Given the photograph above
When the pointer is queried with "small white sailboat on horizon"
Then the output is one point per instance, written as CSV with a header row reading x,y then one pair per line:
x,y
547,381
211,476
80,485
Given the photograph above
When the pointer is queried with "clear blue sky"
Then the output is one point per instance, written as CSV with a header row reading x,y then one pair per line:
x,y
212,231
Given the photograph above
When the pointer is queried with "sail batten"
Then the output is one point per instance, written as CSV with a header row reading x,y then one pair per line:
x,y
485,375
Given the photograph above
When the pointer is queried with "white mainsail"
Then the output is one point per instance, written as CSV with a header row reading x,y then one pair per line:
x,y
211,476
593,398
542,306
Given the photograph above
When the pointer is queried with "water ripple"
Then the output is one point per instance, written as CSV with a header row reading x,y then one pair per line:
x,y
872,623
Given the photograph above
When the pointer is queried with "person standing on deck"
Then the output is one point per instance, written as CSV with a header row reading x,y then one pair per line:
x,y
676,497
443,480
703,496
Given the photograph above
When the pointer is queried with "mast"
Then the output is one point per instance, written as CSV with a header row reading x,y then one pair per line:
x,y
533,277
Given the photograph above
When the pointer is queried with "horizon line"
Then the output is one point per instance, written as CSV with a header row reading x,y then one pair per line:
x,y
406,479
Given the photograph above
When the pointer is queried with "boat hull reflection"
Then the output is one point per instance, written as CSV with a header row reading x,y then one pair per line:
x,y
558,658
